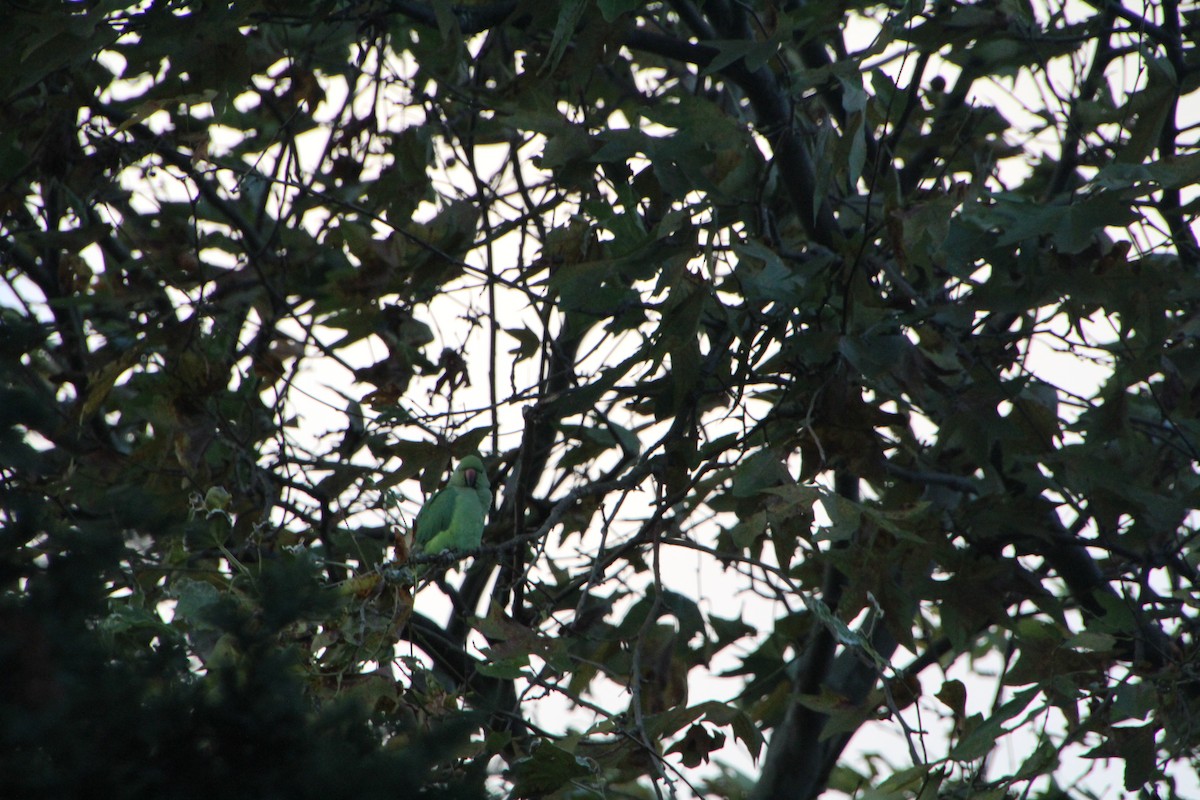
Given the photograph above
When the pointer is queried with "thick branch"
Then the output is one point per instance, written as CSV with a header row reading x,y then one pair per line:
x,y
797,765
470,19
773,108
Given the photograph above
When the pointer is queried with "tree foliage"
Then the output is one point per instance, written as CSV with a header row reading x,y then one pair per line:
x,y
835,366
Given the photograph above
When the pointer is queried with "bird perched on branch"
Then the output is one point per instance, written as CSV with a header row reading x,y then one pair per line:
x,y
453,518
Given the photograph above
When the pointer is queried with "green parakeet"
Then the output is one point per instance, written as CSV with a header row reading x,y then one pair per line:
x,y
453,518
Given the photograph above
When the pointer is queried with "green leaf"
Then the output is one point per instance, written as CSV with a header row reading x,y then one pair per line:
x,y
630,444
447,23
1043,760
611,9
546,770
730,51
569,14
528,343
1092,641
1072,226
1136,745
905,780
982,732
1153,106
193,599
954,694
757,473
697,745
507,669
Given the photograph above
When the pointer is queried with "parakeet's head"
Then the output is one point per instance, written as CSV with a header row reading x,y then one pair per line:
x,y
470,473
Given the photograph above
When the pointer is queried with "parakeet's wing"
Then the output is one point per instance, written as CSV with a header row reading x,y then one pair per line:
x,y
464,528
435,516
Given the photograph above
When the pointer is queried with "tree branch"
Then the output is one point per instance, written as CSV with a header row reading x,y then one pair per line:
x,y
776,120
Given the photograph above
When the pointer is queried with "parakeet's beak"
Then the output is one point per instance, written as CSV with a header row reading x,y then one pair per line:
x,y
471,476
